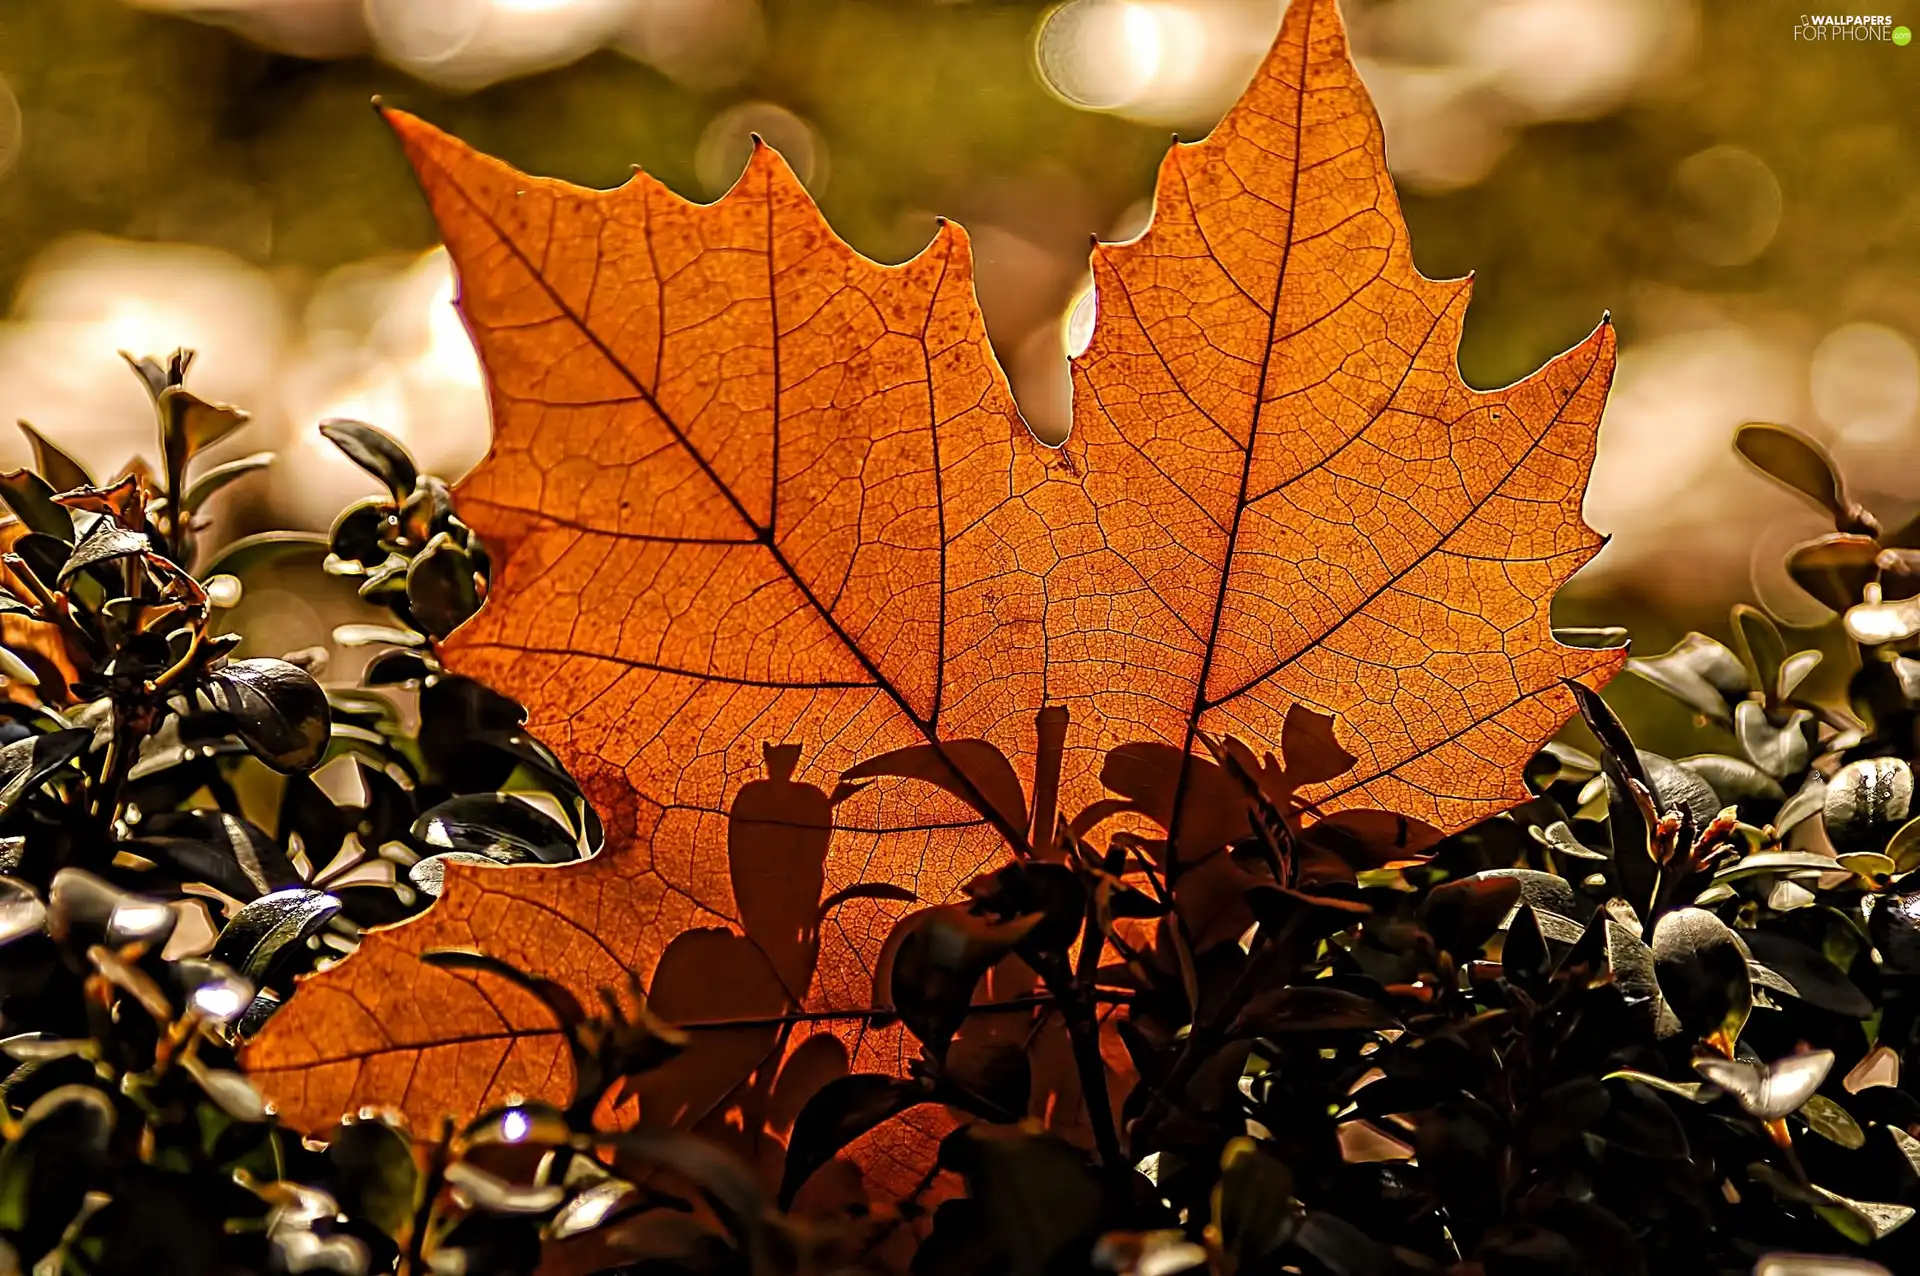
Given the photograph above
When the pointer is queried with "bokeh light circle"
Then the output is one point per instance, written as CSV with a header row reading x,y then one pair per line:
x,y
1076,330
425,31
1728,205
1865,383
1098,54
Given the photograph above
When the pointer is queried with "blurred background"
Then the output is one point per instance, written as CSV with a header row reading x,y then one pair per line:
x,y
207,173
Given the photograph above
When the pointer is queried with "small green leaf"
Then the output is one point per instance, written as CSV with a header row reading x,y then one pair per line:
x,y
376,452
265,550
1700,673
1791,458
1780,750
1685,1089
1831,1122
1761,647
201,489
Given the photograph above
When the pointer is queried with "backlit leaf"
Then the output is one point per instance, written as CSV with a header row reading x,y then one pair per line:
x,y
787,586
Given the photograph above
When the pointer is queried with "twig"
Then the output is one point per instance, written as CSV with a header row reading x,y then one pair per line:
x,y
885,1012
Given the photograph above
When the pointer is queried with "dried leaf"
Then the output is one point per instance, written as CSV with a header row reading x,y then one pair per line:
x,y
785,583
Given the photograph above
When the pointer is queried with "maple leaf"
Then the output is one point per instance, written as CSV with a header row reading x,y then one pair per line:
x,y
786,582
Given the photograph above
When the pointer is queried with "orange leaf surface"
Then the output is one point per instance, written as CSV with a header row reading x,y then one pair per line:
x,y
786,581
750,489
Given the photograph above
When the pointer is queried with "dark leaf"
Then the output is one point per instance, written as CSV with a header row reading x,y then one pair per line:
x,y
261,932
1039,1195
31,500
44,557
1462,916
840,1112
1636,874
1254,1209
441,590
61,471
1342,1248
376,452
868,890
500,827
391,668
1642,1123
1548,892
27,764
359,536
1835,568
937,963
1560,1115
376,1172
427,511
562,1003
1052,892
279,711
1894,927
1866,801
190,425
1677,790
259,859
1525,959
191,860
725,1181
972,770
1803,465
1814,979
1702,971
83,909
264,550
1305,1008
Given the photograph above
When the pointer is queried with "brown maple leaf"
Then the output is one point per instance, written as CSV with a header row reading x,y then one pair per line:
x,y
786,583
